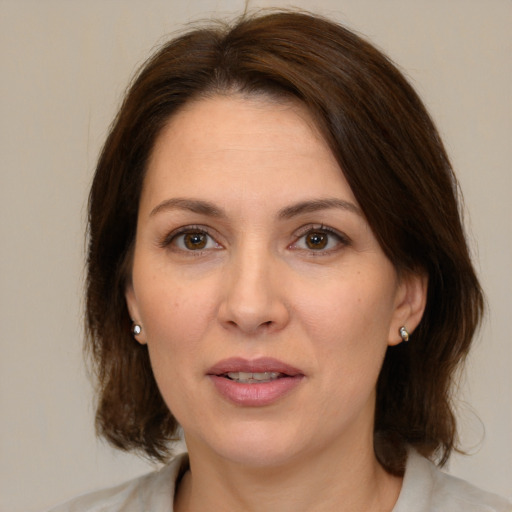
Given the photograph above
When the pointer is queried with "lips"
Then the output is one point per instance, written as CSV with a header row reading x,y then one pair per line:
x,y
254,383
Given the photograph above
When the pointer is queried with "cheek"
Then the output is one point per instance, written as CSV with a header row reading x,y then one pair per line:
x,y
356,310
349,323
174,305
175,318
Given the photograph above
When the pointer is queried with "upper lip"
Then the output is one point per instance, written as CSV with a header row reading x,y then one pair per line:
x,y
259,365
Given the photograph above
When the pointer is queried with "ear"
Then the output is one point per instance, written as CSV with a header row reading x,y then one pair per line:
x,y
411,299
133,309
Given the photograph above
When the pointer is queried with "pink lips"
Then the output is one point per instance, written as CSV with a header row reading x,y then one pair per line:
x,y
255,394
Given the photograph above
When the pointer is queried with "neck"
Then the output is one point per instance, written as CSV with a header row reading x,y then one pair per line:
x,y
349,480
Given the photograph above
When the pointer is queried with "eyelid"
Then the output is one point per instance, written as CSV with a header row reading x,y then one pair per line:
x,y
343,239
167,240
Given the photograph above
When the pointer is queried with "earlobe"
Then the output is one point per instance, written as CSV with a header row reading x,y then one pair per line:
x,y
410,305
133,309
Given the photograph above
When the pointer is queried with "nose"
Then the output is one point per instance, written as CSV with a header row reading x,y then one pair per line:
x,y
253,295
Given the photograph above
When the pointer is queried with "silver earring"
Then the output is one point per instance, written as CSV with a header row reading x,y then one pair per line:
x,y
404,333
136,329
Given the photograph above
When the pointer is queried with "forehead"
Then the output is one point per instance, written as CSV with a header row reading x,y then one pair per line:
x,y
233,144
248,122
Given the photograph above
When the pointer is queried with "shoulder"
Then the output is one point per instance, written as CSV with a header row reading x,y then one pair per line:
x,y
428,489
154,491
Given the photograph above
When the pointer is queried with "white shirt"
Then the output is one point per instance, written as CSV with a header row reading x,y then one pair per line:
x,y
425,489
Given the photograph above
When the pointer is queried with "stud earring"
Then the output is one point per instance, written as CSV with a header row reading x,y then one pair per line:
x,y
136,329
404,333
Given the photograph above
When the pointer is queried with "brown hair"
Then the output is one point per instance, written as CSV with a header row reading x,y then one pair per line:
x,y
395,163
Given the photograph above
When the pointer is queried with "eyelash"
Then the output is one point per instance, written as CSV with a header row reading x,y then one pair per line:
x,y
172,237
342,240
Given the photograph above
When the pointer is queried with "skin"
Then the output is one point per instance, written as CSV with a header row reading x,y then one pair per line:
x,y
257,289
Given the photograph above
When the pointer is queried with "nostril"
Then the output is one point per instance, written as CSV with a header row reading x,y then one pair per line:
x,y
263,326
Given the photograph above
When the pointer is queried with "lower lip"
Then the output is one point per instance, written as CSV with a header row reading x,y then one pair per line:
x,y
256,394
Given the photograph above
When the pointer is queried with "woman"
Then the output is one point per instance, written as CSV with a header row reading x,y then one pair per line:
x,y
277,264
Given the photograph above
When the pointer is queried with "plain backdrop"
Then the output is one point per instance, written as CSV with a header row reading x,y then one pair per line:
x,y
64,65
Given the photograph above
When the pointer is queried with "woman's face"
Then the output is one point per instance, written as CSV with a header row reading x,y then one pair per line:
x,y
265,300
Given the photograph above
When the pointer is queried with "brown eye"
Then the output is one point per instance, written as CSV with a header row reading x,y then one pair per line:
x,y
322,240
316,240
190,240
195,241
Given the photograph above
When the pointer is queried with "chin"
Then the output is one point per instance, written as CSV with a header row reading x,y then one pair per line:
x,y
258,445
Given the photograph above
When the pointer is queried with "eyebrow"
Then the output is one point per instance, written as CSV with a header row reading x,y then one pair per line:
x,y
316,205
207,208
192,205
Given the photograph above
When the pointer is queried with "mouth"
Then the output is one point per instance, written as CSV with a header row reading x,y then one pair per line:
x,y
263,369
254,383
253,377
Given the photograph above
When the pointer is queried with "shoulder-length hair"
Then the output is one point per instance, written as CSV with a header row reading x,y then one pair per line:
x,y
391,155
